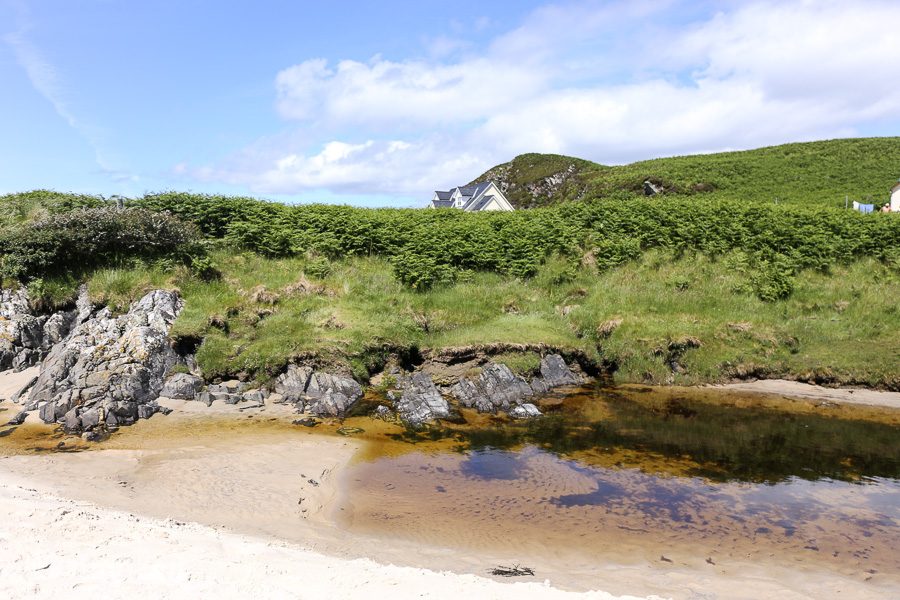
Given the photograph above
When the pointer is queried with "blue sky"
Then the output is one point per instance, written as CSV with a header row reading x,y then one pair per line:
x,y
380,103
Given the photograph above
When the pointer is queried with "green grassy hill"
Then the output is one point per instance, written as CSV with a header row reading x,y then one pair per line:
x,y
709,281
815,172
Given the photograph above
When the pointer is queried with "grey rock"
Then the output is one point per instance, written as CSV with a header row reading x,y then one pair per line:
x,y
496,388
329,404
112,421
145,411
181,386
47,412
292,383
233,398
383,412
254,396
91,436
115,362
71,421
524,411
90,418
234,386
223,396
327,394
554,373
421,401
204,397
23,391
18,419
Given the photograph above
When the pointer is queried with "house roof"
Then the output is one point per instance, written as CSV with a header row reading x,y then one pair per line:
x,y
473,197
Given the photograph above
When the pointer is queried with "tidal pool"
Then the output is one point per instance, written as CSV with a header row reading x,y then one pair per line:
x,y
647,474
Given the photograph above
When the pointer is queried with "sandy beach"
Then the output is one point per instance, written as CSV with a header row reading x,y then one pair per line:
x,y
218,501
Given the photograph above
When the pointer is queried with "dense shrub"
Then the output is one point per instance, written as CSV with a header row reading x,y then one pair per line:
x,y
84,238
432,246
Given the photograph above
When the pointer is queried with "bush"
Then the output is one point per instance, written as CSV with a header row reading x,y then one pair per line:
x,y
87,238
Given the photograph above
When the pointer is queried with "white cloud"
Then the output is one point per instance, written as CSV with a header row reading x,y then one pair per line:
x,y
608,81
383,93
383,167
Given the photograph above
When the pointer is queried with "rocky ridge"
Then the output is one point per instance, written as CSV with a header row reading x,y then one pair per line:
x,y
100,371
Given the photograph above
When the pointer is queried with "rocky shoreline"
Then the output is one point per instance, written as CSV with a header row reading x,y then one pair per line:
x,y
99,372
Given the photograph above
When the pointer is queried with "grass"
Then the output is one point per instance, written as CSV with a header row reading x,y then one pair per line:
x,y
822,173
659,319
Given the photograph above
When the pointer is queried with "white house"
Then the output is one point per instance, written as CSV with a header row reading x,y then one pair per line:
x,y
895,198
472,198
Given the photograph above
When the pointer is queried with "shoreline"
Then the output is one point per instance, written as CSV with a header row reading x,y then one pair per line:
x,y
254,477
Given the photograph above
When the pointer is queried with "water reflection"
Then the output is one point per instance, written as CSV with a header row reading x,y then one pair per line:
x,y
606,470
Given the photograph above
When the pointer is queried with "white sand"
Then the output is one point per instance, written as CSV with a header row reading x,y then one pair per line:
x,y
52,547
204,504
796,389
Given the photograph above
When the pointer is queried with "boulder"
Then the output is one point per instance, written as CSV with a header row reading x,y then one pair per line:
x,y
254,396
181,386
117,363
23,391
421,401
383,412
496,388
323,393
25,338
18,419
554,373
524,411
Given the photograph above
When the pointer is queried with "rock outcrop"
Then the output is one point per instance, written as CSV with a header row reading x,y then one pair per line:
x,y
182,386
525,411
421,401
317,392
554,373
108,370
26,338
496,388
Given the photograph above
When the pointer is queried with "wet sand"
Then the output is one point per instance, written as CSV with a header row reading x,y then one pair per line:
x,y
796,389
254,482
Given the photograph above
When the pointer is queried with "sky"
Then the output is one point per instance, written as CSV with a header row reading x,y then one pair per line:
x,y
380,103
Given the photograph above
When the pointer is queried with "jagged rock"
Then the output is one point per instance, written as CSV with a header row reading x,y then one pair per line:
x,y
330,404
292,383
18,419
22,391
181,386
13,302
204,397
114,363
327,394
524,411
71,421
90,418
254,396
383,412
233,386
554,373
145,411
421,401
496,388
25,338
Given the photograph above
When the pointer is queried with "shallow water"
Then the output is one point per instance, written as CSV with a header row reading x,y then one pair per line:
x,y
643,474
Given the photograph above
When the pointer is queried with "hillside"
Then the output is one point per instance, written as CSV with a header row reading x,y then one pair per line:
x,y
815,172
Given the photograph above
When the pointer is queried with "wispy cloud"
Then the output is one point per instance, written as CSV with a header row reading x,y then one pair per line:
x,y
611,81
47,81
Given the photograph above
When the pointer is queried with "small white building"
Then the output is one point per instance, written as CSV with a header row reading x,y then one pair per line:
x,y
895,198
472,198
